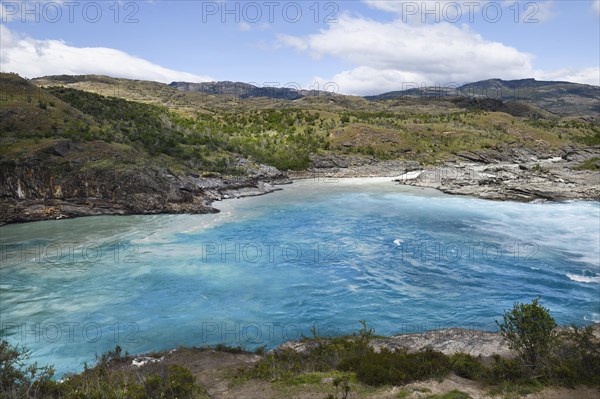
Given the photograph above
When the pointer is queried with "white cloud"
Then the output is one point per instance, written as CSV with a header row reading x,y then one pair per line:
x,y
298,43
452,11
596,6
245,26
389,55
367,80
33,58
590,76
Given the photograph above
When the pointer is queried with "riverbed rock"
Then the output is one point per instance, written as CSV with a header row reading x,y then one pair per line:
x,y
581,154
525,178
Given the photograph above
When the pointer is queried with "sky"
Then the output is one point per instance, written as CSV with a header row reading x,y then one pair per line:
x,y
357,47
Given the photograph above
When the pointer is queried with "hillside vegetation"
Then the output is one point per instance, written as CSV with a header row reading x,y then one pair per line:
x,y
93,145
558,98
202,131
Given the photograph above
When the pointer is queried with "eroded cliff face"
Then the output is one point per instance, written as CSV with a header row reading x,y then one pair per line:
x,y
61,179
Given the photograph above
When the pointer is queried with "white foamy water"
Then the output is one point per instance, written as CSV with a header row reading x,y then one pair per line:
x,y
584,279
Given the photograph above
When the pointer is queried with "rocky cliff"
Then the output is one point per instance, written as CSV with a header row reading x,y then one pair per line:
x,y
58,179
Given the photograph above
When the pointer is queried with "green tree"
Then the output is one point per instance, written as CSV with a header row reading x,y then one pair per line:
x,y
18,378
529,330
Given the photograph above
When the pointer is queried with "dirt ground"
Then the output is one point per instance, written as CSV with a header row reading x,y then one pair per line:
x,y
214,370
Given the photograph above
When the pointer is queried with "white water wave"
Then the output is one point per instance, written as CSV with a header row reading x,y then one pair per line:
x,y
583,279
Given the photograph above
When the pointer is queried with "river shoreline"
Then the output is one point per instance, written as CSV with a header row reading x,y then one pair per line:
x,y
214,367
517,176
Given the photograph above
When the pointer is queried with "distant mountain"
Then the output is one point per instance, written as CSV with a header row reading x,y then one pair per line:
x,y
524,97
559,98
245,90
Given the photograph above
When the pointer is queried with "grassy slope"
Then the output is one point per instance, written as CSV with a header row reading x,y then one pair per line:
x,y
204,132
33,120
27,111
412,128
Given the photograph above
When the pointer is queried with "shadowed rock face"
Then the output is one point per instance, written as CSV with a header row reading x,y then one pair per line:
x,y
245,90
60,181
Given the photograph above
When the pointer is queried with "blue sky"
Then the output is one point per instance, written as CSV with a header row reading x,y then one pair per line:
x,y
363,46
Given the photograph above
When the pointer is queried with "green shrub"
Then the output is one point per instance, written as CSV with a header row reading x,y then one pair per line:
x,y
467,366
111,378
529,330
229,349
178,382
577,360
454,394
396,368
506,370
17,378
110,381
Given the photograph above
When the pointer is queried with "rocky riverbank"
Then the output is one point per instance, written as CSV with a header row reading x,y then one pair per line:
x,y
447,341
499,174
520,177
215,370
58,181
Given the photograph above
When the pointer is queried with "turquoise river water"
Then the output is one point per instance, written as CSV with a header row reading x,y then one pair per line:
x,y
267,269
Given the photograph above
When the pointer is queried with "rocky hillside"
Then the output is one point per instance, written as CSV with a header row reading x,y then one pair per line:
x,y
558,98
245,90
87,155
55,179
85,145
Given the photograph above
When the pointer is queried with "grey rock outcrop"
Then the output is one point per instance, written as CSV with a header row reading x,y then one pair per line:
x,y
520,176
55,183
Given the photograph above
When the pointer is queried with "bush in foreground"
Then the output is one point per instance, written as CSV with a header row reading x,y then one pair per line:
x,y
544,358
530,331
17,378
568,358
112,377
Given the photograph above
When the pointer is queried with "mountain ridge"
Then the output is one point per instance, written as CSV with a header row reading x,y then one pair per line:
x,y
246,90
559,98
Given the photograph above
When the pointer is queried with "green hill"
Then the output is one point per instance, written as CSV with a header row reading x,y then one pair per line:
x,y
284,133
124,146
